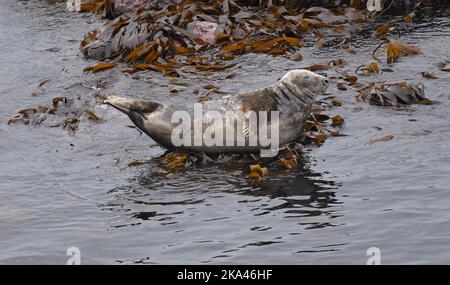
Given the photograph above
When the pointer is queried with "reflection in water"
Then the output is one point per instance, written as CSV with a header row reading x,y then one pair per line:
x,y
210,197
303,194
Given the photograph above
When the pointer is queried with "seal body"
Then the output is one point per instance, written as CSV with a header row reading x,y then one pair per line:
x,y
290,99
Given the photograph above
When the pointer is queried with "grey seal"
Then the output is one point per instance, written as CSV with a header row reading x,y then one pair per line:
x,y
291,98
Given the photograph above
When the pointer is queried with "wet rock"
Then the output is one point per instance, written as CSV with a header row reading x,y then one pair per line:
x,y
125,6
205,31
296,56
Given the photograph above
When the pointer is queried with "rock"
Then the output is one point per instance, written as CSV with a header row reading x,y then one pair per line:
x,y
296,56
206,31
124,6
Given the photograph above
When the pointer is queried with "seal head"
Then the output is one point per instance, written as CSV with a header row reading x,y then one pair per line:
x,y
305,82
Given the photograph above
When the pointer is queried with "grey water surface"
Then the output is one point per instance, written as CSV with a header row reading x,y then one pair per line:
x,y
59,190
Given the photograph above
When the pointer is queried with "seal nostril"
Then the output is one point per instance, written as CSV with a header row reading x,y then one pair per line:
x,y
326,81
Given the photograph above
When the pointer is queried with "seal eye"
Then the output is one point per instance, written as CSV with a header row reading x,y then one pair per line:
x,y
306,77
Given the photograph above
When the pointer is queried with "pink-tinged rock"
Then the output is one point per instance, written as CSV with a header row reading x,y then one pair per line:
x,y
206,31
124,6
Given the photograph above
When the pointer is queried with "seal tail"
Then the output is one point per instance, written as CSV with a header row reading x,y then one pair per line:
x,y
128,105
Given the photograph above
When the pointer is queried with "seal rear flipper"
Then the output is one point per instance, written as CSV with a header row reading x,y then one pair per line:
x,y
128,105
